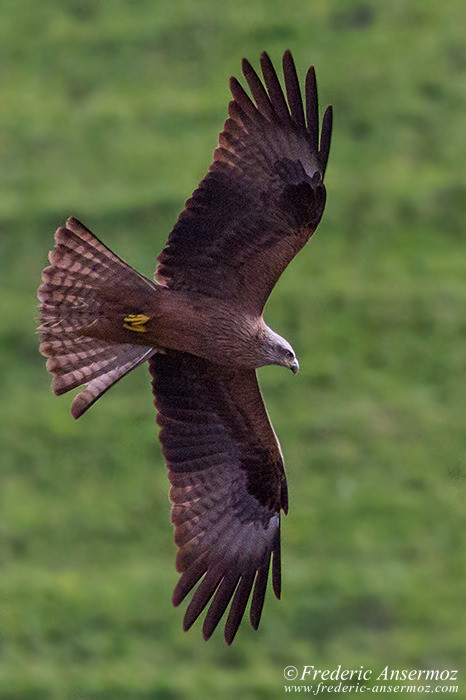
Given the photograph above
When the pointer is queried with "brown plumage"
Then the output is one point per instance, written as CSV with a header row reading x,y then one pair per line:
x,y
200,325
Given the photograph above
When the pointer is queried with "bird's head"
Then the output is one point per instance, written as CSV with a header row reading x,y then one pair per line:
x,y
280,352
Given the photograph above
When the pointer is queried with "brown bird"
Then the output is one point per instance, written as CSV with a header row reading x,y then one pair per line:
x,y
200,326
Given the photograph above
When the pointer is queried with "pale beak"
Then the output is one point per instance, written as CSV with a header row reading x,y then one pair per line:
x,y
294,366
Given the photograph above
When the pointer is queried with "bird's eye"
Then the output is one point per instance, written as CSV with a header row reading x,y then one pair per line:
x,y
288,354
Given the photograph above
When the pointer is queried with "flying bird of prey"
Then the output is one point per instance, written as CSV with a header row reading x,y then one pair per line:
x,y
200,327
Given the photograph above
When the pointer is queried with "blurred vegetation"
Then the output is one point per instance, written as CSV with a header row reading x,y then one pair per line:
x,y
110,112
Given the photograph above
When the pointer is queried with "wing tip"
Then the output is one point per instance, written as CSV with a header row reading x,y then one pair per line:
x,y
276,566
287,57
229,638
233,82
206,635
254,623
177,598
326,136
188,622
266,63
258,597
246,65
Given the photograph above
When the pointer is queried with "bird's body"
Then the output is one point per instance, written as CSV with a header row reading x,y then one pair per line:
x,y
175,320
200,325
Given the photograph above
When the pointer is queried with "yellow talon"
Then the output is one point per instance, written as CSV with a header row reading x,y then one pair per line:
x,y
135,322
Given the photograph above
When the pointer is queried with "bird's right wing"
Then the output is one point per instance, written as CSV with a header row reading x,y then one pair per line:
x,y
262,198
228,486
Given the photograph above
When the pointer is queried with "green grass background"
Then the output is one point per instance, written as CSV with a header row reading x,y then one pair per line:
x,y
110,112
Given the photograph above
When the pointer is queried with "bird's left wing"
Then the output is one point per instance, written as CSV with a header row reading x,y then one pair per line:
x,y
228,486
262,198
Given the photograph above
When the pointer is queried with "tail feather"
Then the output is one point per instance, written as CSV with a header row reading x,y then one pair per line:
x,y
75,291
80,359
104,382
79,251
70,374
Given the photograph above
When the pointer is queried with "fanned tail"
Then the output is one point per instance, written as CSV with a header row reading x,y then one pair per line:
x,y
76,290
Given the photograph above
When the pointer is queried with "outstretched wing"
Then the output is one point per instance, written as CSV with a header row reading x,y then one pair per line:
x,y
262,198
228,486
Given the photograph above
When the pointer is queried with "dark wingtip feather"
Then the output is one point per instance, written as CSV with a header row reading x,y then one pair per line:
x,y
238,114
257,89
188,580
219,604
276,566
312,107
238,606
201,597
325,137
241,97
258,596
293,91
274,88
284,491
246,66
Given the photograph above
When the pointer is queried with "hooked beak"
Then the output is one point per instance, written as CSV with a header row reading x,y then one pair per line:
x,y
294,366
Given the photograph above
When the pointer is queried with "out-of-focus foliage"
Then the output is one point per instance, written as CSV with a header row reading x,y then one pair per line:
x,y
110,112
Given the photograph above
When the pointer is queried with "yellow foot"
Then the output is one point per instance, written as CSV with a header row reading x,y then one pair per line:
x,y
135,322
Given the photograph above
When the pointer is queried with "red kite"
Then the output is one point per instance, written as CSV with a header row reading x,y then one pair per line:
x,y
201,328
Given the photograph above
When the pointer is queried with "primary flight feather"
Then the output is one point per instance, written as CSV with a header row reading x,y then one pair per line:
x,y
201,328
